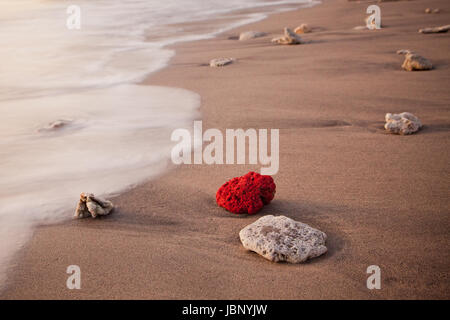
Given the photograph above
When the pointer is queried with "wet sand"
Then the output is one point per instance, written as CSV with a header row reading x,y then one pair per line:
x,y
382,199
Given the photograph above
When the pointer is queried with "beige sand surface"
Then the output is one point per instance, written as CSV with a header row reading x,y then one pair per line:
x,y
382,199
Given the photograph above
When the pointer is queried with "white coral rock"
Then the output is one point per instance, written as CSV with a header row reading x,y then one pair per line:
x,y
289,37
89,205
414,62
220,62
402,123
279,238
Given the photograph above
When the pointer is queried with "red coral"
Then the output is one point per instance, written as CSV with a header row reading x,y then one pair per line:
x,y
246,194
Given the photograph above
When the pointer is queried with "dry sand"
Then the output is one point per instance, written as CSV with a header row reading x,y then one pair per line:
x,y
382,199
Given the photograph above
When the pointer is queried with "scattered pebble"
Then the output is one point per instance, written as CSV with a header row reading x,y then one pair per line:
x,y
279,238
303,28
402,123
414,62
89,205
55,125
220,62
435,29
429,10
289,37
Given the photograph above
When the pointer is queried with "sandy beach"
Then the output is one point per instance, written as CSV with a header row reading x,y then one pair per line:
x,y
382,199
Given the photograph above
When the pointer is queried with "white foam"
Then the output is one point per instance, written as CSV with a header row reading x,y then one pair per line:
x,y
109,143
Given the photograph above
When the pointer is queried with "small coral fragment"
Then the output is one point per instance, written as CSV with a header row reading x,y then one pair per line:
x,y
289,37
89,205
402,123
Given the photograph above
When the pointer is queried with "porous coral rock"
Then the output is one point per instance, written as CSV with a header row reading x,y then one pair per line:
x,y
402,123
89,205
414,62
220,62
283,239
289,37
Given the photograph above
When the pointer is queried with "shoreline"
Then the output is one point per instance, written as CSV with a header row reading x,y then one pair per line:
x,y
235,18
158,247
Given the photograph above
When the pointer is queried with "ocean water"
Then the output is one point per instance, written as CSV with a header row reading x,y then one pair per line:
x,y
74,117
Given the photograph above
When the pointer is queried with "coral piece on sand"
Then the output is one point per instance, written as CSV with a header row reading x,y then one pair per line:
x,y
303,28
414,62
251,35
220,62
89,205
429,10
279,238
246,194
441,29
402,123
289,37
56,125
